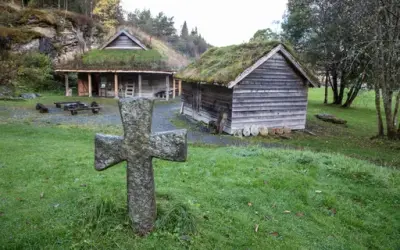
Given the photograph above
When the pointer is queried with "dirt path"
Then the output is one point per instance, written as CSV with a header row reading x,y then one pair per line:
x,y
109,116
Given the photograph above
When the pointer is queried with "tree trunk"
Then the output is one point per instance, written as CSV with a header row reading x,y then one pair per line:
x,y
335,86
387,96
342,88
381,131
396,121
326,87
353,93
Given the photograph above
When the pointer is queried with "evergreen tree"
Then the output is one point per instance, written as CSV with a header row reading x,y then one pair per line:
x,y
185,31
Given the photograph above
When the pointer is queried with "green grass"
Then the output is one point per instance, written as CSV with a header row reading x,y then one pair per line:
x,y
120,59
354,138
52,198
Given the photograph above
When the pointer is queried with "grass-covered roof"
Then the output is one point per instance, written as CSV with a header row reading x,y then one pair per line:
x,y
222,65
117,59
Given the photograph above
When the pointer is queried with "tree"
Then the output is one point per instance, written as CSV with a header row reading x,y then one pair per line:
x,y
265,35
184,31
108,12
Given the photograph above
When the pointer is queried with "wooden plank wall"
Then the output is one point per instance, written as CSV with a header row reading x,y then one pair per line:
x,y
212,100
273,95
123,42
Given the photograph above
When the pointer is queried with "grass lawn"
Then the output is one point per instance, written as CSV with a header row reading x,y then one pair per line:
x,y
51,197
354,138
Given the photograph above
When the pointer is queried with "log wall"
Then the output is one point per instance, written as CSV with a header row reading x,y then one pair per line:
x,y
274,95
205,102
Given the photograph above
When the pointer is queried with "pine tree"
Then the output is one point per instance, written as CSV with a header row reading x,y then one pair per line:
x,y
185,31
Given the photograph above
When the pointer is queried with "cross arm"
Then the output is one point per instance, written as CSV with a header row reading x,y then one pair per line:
x,y
170,146
108,151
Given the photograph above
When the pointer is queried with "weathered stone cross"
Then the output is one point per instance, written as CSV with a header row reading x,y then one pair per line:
x,y
138,147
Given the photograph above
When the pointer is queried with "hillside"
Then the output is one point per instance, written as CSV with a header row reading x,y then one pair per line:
x,y
64,34
43,39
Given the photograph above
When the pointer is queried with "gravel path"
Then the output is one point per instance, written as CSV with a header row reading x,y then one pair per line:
x,y
109,116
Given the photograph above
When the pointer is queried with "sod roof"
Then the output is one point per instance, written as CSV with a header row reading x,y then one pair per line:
x,y
119,59
223,65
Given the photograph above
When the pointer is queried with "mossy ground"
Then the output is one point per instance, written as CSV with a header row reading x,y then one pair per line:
x,y
51,197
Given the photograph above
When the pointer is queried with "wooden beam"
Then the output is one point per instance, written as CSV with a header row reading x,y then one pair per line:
x,y
114,71
173,89
180,87
167,89
90,84
140,85
66,85
116,86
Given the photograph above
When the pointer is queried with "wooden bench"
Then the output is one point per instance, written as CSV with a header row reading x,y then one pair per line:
x,y
58,104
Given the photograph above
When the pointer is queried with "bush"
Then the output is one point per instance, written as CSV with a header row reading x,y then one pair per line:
x,y
35,72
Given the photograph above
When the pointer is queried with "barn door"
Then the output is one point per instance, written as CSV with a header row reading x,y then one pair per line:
x,y
196,98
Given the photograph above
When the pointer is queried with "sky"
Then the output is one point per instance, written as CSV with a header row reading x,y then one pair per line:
x,y
220,22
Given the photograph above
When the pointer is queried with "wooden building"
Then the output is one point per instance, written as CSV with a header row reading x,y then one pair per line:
x,y
122,67
255,84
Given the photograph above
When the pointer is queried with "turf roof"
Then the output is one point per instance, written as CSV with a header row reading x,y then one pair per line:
x,y
222,65
110,59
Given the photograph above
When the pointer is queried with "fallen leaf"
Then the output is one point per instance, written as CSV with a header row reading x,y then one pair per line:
x,y
286,212
318,191
249,204
267,217
41,195
83,185
56,205
299,214
274,234
256,228
1,213
274,205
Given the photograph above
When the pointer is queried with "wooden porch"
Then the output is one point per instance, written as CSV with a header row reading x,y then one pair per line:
x,y
126,84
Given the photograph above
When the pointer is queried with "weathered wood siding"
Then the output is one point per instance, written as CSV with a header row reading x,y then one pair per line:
x,y
274,95
205,102
123,42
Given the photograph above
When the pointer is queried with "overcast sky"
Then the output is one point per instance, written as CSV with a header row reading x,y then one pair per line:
x,y
220,22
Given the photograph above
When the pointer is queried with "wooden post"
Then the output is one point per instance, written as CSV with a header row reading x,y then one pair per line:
x,y
167,90
90,84
140,85
116,86
66,85
180,87
173,89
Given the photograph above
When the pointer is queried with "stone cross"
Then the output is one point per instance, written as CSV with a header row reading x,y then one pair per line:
x,y
138,147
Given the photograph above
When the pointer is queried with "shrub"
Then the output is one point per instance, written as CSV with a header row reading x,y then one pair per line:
x,y
35,72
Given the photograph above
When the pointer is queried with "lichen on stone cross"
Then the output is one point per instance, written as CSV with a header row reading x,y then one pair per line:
x,y
138,147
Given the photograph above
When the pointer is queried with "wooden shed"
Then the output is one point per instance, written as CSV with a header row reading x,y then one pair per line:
x,y
123,67
254,84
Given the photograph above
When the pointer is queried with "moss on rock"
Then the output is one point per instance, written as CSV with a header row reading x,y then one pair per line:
x,y
19,35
